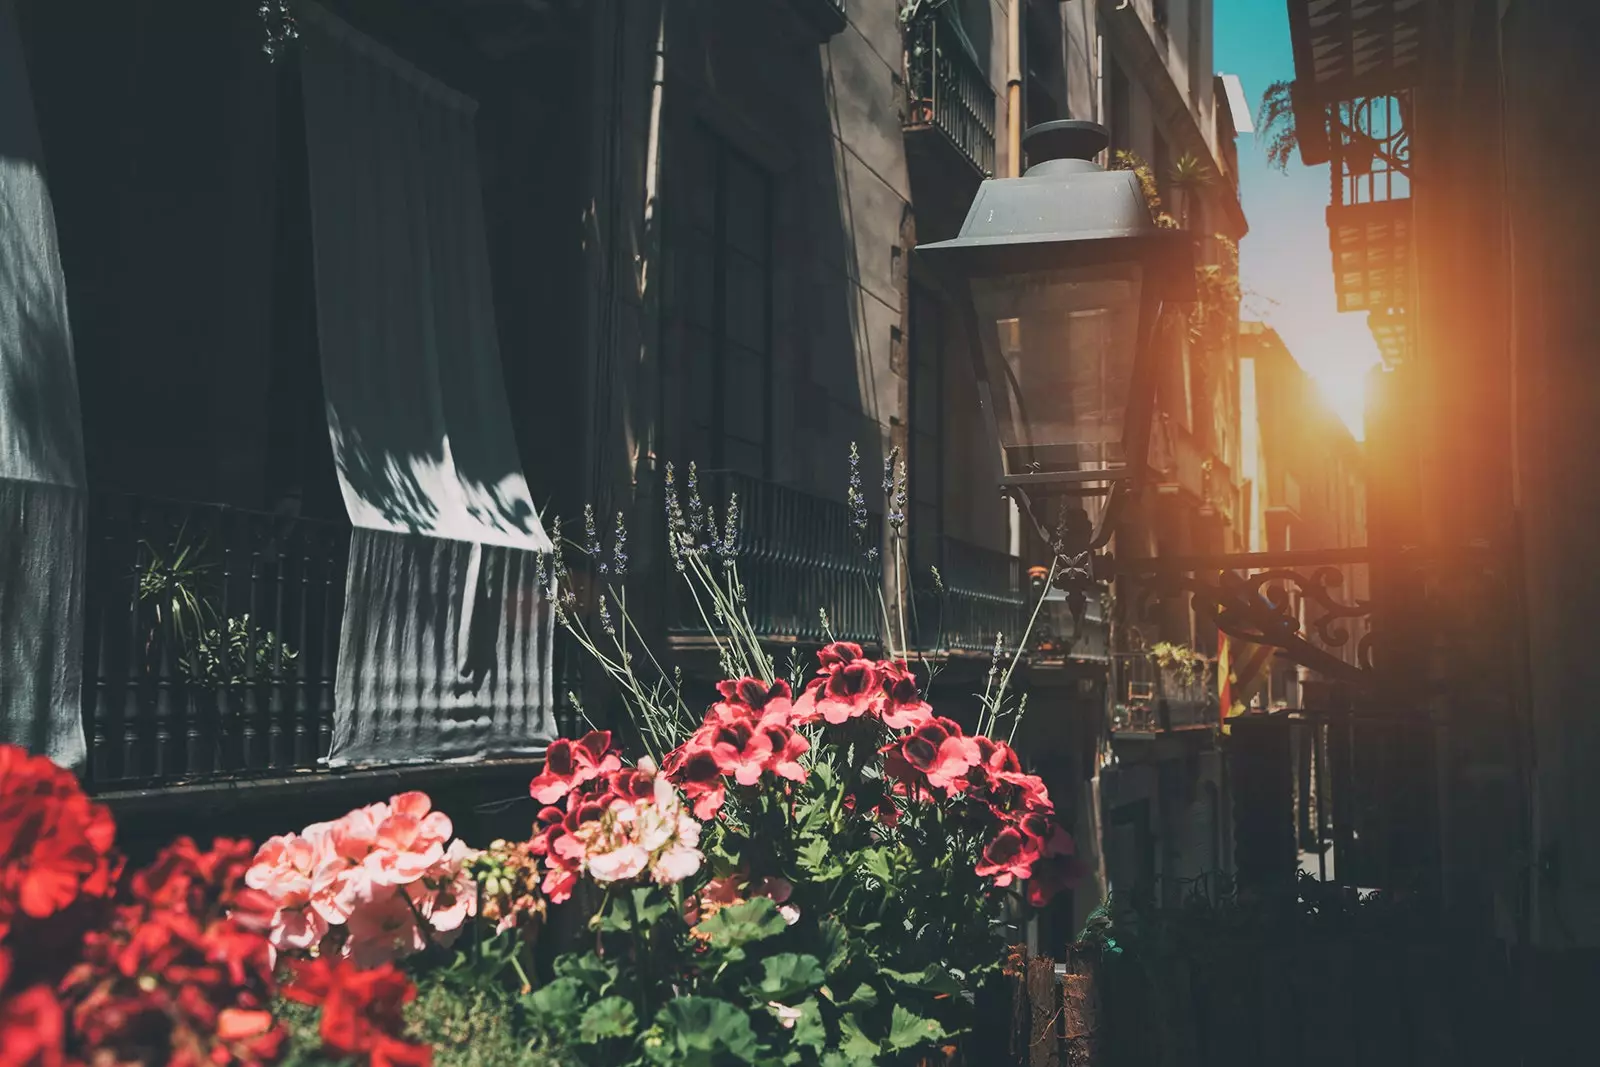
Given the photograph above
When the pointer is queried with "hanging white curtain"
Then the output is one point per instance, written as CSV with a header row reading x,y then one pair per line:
x,y
41,446
446,643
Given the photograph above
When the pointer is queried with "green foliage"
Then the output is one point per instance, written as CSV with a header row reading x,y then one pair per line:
x,y
1187,665
1275,127
469,1024
208,649
1125,160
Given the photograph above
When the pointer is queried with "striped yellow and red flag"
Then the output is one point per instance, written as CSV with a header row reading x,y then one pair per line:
x,y
1241,671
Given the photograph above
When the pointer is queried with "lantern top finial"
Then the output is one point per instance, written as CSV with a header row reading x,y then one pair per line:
x,y
1072,141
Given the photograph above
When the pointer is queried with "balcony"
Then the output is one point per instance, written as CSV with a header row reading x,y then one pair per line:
x,y
949,125
1344,49
1392,332
826,17
798,555
1371,245
979,595
210,641
1152,700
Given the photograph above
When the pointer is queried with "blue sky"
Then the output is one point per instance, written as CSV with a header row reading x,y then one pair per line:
x,y
1286,269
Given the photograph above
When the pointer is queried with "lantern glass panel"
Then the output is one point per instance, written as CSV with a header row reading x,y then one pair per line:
x,y
1059,348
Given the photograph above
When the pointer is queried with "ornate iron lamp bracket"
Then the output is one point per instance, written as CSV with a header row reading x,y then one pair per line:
x,y
1247,596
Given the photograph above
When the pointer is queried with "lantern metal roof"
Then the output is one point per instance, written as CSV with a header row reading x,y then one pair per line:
x,y
1065,211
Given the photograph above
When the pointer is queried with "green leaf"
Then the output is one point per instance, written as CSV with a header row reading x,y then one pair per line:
x,y
932,978
611,1017
587,969
650,904
788,974
816,859
835,943
742,924
875,861
862,996
855,1047
725,853
907,1029
809,1030
557,1002
701,1032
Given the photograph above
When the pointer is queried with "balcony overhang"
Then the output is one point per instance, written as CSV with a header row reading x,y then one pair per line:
x,y
1345,49
1392,331
1372,255
825,17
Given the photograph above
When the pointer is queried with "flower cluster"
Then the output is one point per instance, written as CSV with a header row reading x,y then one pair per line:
x,y
851,686
387,879
361,1011
509,873
183,973
55,844
748,733
619,824
937,758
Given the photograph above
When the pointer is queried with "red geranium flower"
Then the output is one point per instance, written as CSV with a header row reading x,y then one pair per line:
x,y
183,973
1010,855
55,844
997,779
361,1011
753,698
786,749
846,692
699,775
838,654
902,706
1053,874
938,749
568,765
32,1024
740,750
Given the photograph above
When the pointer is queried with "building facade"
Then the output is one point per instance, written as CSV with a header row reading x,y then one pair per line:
x,y
1472,260
359,304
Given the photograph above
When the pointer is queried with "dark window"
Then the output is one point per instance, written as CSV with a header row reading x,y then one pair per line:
x,y
722,307
926,462
1120,107
1197,73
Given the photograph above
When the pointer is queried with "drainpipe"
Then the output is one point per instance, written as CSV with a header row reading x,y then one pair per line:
x,y
1014,170
1014,88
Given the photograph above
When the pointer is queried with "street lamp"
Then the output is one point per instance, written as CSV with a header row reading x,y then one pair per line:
x,y
1060,276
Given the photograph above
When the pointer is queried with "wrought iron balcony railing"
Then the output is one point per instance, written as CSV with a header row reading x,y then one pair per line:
x,y
978,597
1153,699
949,90
798,556
827,17
210,640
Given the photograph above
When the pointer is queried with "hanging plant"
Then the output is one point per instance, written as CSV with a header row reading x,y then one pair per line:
x,y
281,30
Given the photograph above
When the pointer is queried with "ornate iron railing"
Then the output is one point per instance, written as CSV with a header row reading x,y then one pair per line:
x,y
978,596
798,556
210,640
949,90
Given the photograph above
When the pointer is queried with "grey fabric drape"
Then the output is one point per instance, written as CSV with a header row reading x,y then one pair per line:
x,y
445,650
41,445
